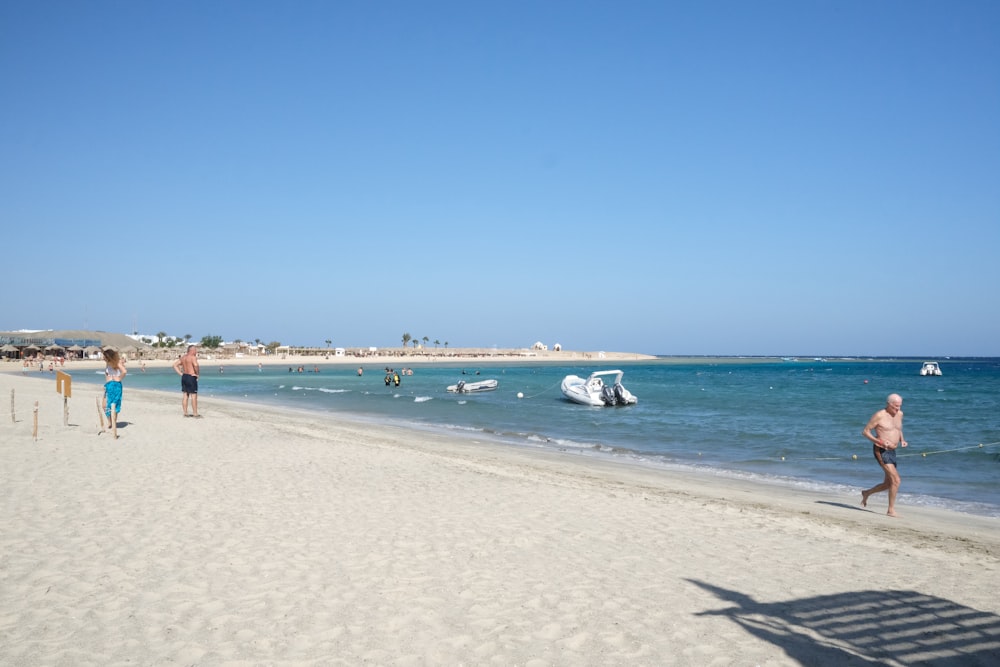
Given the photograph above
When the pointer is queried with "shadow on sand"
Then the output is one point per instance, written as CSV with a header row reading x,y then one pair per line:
x,y
868,627
855,508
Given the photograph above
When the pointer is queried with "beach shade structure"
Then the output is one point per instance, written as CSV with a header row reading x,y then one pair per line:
x,y
8,350
76,350
32,348
54,348
91,349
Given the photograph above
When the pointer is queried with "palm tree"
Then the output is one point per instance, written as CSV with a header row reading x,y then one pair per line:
x,y
211,342
328,341
160,335
426,339
406,339
187,339
446,343
436,342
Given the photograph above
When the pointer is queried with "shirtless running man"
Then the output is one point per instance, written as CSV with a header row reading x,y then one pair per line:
x,y
187,367
885,430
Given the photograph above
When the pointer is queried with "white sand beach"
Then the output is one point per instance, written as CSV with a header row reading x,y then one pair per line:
x,y
254,536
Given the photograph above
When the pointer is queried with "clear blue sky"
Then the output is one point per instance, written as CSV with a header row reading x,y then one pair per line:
x,y
719,177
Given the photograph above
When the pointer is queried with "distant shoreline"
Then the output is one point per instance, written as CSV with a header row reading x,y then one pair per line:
x,y
382,358
136,351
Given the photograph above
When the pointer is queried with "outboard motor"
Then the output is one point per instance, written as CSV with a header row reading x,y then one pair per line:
x,y
623,395
461,387
608,395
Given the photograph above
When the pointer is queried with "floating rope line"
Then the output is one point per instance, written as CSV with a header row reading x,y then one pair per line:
x,y
854,457
543,391
944,451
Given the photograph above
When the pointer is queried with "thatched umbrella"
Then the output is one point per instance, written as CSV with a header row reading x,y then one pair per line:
x,y
91,349
7,349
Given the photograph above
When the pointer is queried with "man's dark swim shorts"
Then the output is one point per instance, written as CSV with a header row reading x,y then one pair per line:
x,y
888,455
189,384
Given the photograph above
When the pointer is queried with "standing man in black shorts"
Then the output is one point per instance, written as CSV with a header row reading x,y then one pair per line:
x,y
187,367
885,430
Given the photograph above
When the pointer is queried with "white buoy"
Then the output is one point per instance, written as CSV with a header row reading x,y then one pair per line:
x,y
520,395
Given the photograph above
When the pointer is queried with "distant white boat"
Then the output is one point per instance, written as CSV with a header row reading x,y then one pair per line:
x,y
464,387
930,368
595,391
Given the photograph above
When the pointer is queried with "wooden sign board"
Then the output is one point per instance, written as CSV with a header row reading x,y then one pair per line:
x,y
64,384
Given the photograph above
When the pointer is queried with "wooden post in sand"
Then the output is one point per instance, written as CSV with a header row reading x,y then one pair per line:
x,y
100,417
64,386
34,428
12,419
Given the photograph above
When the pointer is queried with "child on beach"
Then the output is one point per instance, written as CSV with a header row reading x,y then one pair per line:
x,y
114,372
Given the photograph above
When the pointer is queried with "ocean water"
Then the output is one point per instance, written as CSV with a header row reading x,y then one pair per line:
x,y
795,422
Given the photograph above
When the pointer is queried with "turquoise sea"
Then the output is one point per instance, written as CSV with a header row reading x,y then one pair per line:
x,y
794,422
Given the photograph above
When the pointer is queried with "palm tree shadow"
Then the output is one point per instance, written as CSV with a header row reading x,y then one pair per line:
x,y
868,627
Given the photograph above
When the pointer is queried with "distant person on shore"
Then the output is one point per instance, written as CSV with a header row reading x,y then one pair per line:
x,y
189,370
885,430
114,373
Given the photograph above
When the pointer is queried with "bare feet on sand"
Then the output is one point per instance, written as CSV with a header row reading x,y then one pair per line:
x,y
864,499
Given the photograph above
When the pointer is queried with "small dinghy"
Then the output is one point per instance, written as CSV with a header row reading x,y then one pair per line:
x,y
464,387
